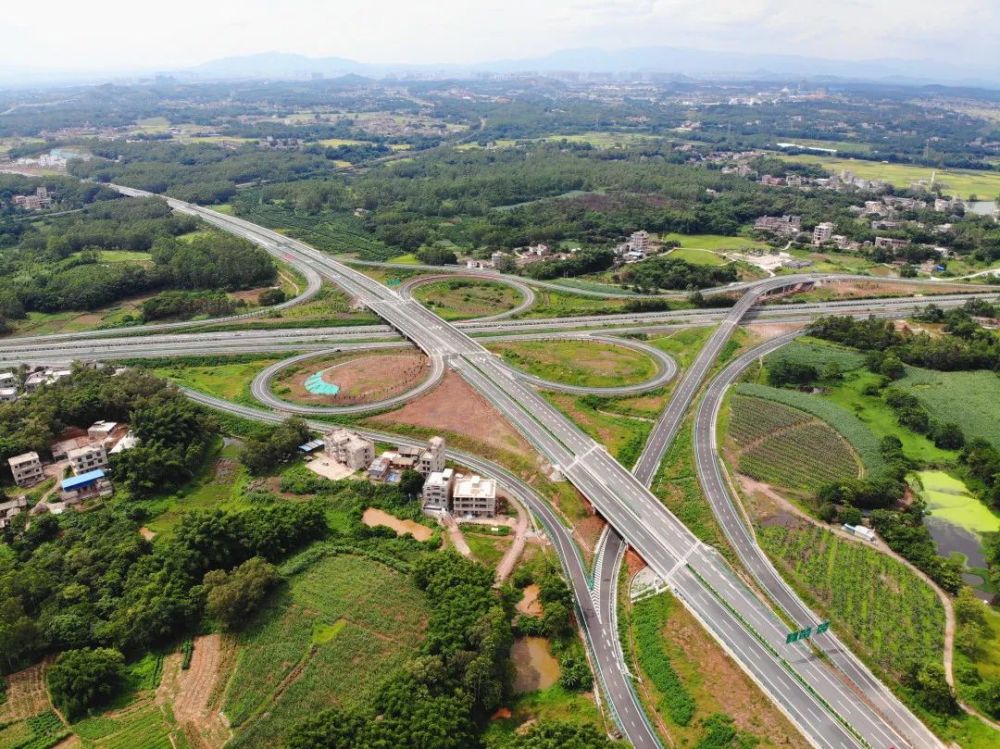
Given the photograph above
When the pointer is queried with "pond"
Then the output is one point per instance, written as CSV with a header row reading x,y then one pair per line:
x,y
956,520
536,667
373,517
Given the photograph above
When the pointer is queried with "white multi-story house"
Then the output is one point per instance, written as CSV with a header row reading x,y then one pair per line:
x,y
436,494
474,496
27,469
355,452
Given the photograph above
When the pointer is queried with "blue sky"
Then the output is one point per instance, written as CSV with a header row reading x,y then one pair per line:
x,y
133,35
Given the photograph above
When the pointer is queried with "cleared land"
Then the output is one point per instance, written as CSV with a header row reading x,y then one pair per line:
x,y
362,378
713,241
574,362
456,408
461,299
226,379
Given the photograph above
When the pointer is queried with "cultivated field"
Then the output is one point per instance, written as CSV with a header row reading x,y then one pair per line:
x,y
872,600
787,447
302,653
966,398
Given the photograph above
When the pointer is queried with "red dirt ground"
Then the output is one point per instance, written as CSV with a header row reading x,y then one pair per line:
x,y
455,407
364,378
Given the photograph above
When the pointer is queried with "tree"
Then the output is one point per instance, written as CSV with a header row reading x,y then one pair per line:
x,y
411,483
562,735
928,681
574,674
82,679
948,436
329,729
271,297
231,597
783,372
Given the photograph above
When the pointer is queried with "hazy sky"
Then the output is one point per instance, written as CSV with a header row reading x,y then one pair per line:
x,y
132,34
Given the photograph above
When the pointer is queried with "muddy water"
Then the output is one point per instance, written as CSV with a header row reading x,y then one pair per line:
x,y
536,667
374,517
529,603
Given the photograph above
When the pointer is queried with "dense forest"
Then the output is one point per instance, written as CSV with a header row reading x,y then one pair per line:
x,y
57,265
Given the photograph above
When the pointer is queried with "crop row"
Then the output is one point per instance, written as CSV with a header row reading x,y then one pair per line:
x,y
819,354
753,418
804,457
879,603
861,438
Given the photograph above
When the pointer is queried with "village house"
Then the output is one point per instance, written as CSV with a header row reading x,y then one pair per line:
x,y
26,468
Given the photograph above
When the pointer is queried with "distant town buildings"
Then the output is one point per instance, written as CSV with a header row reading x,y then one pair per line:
x,y
36,202
822,233
782,226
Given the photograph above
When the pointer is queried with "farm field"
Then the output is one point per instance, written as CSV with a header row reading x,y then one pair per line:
x,y
297,656
461,299
845,423
604,138
961,182
787,447
836,576
581,363
966,398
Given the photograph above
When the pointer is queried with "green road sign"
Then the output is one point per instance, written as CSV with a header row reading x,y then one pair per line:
x,y
805,634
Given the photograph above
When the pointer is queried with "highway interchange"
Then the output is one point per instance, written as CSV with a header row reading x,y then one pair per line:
x,y
834,702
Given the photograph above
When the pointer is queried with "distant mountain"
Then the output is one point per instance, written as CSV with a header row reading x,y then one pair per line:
x,y
657,59
274,65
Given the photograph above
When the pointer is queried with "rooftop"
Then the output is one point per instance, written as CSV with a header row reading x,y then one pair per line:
x,y
82,480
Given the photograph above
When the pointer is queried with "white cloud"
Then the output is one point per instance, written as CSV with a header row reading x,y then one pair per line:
x,y
112,34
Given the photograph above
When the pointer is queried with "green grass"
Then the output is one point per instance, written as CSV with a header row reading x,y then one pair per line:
x,y
461,299
123,256
854,429
624,436
549,303
949,499
967,398
217,485
713,241
487,549
960,182
648,618
408,259
581,363
552,704
226,379
698,257
874,602
301,654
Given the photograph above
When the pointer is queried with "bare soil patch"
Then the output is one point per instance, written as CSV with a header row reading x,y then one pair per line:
x,y
191,691
362,378
26,695
146,533
633,562
455,407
